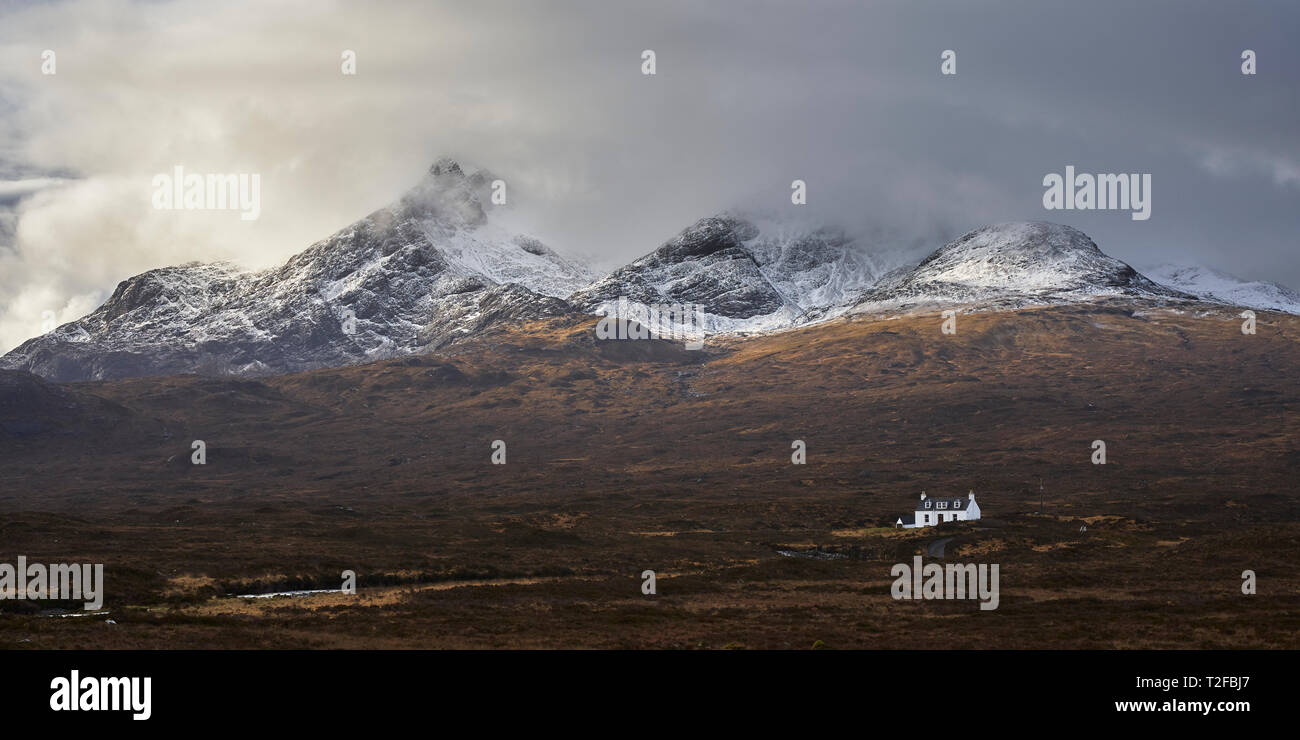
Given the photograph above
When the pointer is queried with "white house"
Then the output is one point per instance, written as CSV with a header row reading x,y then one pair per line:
x,y
931,511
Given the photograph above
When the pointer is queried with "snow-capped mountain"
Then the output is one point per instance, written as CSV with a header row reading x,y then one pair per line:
x,y
745,273
409,277
1212,285
437,265
1012,265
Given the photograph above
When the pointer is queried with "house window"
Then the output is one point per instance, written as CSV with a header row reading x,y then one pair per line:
x,y
943,504
926,518
927,504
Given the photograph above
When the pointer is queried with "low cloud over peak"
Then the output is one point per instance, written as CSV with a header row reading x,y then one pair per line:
x,y
606,162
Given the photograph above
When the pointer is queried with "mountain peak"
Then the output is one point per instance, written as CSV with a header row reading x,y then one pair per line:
x,y
1025,256
1020,263
1041,238
429,269
741,275
446,195
446,166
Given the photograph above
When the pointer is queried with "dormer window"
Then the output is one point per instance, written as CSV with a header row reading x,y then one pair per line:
x,y
927,504
943,504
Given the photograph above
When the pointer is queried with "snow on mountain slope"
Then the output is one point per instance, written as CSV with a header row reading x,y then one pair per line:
x,y
1213,285
745,273
436,266
1011,265
417,274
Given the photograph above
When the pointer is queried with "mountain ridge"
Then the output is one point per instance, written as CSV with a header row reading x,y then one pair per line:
x,y
435,266
1209,284
406,278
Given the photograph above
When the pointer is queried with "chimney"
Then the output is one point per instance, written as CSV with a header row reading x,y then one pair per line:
x,y
922,495
972,495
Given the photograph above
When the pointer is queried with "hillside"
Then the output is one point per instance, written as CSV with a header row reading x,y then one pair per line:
x,y
625,456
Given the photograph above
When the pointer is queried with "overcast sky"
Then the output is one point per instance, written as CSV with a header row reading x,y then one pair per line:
x,y
606,162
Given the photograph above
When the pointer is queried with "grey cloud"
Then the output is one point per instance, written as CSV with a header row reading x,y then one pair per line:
x,y
748,96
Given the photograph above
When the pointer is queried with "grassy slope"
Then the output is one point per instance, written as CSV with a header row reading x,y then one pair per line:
x,y
628,456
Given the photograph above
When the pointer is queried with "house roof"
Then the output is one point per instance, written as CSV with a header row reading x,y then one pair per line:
x,y
953,503
907,519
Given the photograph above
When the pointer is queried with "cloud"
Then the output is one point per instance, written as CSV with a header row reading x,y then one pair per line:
x,y
1239,163
11,191
748,96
